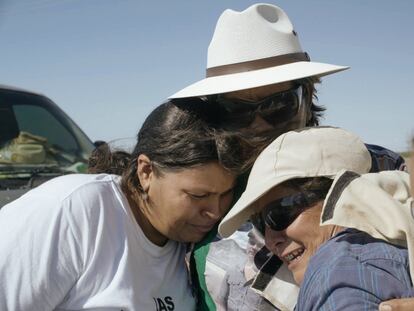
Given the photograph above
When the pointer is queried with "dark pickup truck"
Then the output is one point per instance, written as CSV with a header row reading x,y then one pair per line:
x,y
38,141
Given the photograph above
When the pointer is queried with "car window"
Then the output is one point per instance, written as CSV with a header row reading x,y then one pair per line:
x,y
9,128
34,132
39,121
38,141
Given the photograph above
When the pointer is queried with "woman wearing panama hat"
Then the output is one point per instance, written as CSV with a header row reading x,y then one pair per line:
x,y
255,55
265,84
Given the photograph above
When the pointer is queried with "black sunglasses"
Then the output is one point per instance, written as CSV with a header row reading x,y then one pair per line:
x,y
280,214
274,109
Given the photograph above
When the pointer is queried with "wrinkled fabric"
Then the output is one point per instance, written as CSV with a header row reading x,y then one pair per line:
x,y
354,271
377,203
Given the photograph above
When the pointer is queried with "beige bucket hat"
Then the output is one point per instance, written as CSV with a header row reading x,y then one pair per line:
x,y
253,48
310,152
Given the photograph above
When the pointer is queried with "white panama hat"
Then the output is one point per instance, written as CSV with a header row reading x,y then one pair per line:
x,y
309,152
252,48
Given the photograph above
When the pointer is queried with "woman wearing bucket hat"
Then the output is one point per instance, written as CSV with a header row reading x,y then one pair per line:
x,y
105,242
408,303
265,85
288,195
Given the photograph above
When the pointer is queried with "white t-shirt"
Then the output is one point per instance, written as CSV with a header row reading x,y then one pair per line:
x,y
73,244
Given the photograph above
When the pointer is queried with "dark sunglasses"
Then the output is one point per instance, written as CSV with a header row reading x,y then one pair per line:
x,y
280,214
274,109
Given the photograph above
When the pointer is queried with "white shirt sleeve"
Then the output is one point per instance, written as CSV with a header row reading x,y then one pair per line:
x,y
40,254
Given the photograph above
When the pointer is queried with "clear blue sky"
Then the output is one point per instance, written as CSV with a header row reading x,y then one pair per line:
x,y
109,63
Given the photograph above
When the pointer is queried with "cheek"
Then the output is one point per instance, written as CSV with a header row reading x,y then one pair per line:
x,y
168,207
225,204
305,230
181,210
309,234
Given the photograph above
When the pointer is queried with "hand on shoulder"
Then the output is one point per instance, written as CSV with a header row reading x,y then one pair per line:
x,y
404,304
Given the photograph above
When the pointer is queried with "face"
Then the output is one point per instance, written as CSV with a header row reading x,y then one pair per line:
x,y
186,204
296,244
259,125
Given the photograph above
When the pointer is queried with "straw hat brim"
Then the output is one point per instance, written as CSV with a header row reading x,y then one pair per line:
x,y
256,78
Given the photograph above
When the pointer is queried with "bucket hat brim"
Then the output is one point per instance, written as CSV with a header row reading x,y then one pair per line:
x,y
243,208
309,152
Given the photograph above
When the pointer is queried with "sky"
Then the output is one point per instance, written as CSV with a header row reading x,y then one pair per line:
x,y
108,63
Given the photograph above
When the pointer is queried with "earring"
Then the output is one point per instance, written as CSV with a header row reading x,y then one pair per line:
x,y
144,197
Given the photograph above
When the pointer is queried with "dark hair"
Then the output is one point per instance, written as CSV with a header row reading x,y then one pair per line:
x,y
102,160
316,111
318,184
184,133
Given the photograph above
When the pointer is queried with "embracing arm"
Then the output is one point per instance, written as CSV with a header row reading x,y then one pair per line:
x,y
351,284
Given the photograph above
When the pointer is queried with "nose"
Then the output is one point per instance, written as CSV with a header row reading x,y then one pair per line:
x,y
274,240
212,210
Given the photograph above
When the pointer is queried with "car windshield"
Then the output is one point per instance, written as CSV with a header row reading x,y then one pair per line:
x,y
36,137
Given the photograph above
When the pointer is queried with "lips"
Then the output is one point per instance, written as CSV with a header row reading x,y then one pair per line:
x,y
293,255
203,228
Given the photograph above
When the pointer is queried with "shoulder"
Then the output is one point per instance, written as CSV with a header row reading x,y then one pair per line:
x,y
68,198
89,200
384,159
354,264
353,241
352,249
73,187
69,184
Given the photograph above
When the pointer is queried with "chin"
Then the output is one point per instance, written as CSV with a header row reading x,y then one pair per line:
x,y
298,277
191,238
195,239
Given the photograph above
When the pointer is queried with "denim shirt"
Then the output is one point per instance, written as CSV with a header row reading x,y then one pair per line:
x,y
384,159
354,271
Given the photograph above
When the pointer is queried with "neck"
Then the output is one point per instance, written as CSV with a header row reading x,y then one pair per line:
x,y
336,229
138,207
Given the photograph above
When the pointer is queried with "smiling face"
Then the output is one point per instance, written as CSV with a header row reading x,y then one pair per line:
x,y
186,204
296,244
